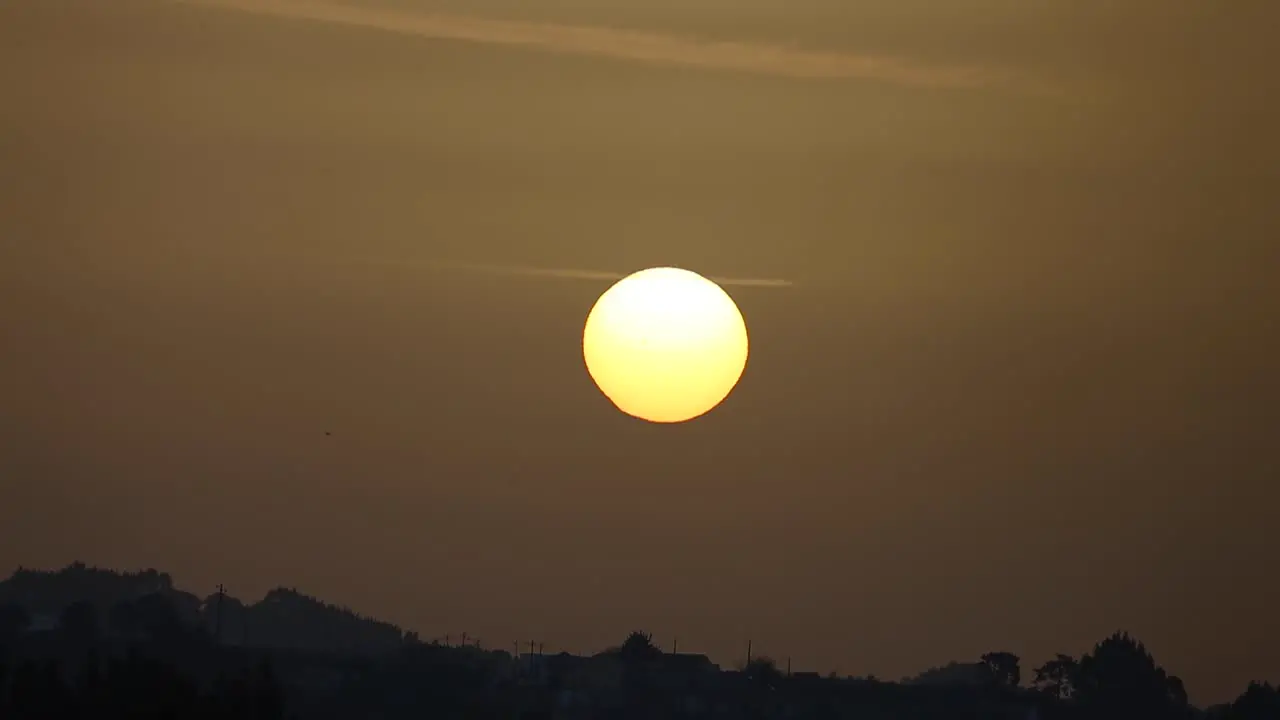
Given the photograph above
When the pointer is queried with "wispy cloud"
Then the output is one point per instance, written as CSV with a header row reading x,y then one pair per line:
x,y
601,275
749,57
453,266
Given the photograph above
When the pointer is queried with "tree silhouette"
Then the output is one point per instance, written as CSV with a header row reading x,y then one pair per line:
x,y
160,661
124,620
638,647
37,691
287,618
268,701
1057,677
79,622
1177,692
763,672
135,686
158,617
1004,668
1260,701
90,682
14,620
1121,679
50,591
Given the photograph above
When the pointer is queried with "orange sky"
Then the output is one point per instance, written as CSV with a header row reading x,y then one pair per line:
x,y
1021,394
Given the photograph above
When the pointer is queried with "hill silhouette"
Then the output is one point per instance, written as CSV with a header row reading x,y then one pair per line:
x,y
46,593
288,619
85,642
122,602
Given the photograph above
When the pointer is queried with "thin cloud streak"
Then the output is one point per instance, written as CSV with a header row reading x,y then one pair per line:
x,y
601,275
446,266
756,58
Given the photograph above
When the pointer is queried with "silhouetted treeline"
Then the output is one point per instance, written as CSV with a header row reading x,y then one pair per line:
x,y
168,669
133,686
44,594
286,618
149,655
126,604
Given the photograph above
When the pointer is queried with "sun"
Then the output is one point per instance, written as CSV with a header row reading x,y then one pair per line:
x,y
665,345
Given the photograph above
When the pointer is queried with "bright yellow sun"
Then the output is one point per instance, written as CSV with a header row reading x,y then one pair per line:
x,y
665,344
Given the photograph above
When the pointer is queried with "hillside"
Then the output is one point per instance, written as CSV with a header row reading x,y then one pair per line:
x,y
284,619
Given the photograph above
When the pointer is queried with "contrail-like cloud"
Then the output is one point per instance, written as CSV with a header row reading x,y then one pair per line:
x,y
450,266
601,275
749,57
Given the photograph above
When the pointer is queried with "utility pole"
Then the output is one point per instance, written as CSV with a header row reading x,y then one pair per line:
x,y
788,666
675,645
217,616
748,652
464,640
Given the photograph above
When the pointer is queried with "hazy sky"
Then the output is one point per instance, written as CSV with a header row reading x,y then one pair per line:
x,y
1021,393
